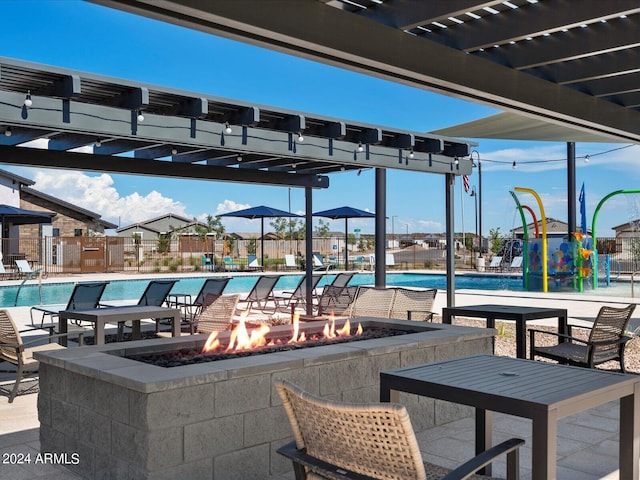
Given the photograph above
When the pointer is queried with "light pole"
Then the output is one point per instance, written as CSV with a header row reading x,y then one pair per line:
x,y
478,164
475,209
393,231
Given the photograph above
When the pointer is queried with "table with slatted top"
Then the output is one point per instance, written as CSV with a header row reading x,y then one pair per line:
x,y
520,315
543,392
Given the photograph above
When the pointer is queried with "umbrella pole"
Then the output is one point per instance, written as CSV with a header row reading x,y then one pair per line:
x,y
346,245
262,243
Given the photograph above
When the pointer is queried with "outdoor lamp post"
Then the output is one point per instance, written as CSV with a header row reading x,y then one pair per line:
x,y
478,164
393,229
475,209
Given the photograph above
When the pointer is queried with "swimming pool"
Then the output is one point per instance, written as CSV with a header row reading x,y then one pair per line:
x,y
53,293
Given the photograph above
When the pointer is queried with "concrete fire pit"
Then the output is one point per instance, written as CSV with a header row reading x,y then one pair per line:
x,y
219,420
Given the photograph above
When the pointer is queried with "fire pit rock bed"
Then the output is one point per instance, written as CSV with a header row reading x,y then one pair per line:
x,y
219,420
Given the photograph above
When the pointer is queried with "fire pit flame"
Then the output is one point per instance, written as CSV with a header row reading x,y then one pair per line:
x,y
242,338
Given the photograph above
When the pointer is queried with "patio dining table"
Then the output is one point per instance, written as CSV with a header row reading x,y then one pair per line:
x,y
114,315
540,391
521,315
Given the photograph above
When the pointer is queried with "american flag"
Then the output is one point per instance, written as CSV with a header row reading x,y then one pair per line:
x,y
465,182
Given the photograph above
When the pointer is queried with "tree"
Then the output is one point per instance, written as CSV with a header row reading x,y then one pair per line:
x,y
211,225
322,229
495,240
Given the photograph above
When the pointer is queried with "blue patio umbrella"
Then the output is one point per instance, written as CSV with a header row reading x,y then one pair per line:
x,y
260,212
346,213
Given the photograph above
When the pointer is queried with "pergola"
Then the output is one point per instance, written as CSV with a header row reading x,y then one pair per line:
x,y
548,60
553,61
96,123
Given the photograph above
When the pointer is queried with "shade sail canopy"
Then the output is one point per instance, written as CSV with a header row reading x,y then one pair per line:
x,y
346,213
260,212
20,216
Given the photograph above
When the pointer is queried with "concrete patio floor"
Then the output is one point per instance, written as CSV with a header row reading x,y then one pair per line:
x,y
587,442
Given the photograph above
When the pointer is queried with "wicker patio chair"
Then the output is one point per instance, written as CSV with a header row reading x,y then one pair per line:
x,y
19,353
337,440
216,315
607,340
413,304
372,302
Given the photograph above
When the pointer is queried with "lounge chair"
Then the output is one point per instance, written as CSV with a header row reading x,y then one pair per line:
x,y
84,296
253,264
19,353
335,299
496,262
290,262
216,315
24,268
191,309
208,264
155,295
516,263
318,263
389,260
262,294
229,264
299,296
367,441
342,279
4,275
606,341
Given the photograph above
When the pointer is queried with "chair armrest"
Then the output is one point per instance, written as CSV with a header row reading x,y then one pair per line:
x,y
47,338
299,457
559,335
50,327
429,313
509,447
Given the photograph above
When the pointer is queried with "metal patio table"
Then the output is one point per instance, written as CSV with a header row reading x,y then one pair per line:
x,y
521,315
543,392
133,313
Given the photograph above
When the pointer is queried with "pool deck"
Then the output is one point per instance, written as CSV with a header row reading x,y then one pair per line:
x,y
587,447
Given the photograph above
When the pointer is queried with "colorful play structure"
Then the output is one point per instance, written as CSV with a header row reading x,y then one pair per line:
x,y
560,263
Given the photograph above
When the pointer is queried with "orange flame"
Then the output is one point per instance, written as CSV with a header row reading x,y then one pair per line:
x,y
242,338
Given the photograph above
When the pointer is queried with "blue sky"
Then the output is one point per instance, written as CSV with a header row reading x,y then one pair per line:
x,y
87,37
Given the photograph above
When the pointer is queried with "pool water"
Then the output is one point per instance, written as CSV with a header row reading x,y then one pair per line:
x,y
58,293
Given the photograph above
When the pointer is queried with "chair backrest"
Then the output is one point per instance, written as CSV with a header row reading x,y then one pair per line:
x,y
86,295
419,302
23,266
374,439
214,286
609,326
390,260
290,261
156,292
342,279
2,270
217,312
252,261
301,290
372,302
263,287
495,262
227,259
335,299
317,261
9,334
516,262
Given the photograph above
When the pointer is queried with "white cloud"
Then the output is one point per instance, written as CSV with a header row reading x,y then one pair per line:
x,y
230,206
98,194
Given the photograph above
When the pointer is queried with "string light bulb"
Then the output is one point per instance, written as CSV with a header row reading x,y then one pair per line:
x,y
456,161
227,128
411,153
27,100
8,132
98,143
174,151
586,159
300,138
140,116
514,166
360,147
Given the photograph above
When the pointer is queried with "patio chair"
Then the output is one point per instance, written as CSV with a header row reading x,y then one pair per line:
x,y
318,263
342,279
335,299
606,340
24,268
367,441
191,309
155,295
262,294
84,296
4,275
208,264
253,264
229,264
19,353
372,302
516,263
216,314
496,262
299,295
290,262
413,304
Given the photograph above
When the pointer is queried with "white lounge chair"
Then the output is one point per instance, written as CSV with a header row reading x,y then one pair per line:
x,y
290,262
496,262
516,263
